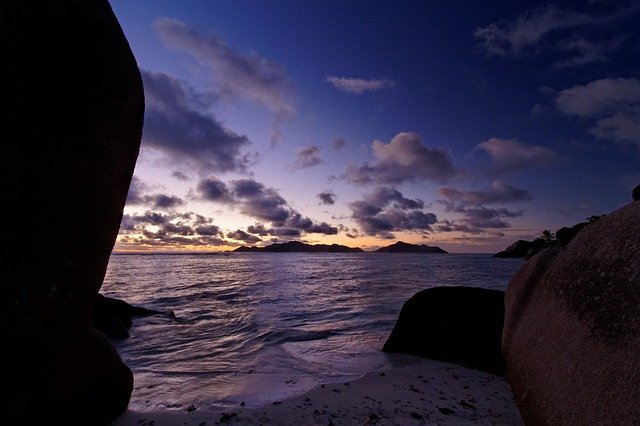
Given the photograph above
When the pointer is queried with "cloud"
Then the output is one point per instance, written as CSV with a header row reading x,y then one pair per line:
x,y
177,123
547,29
482,217
508,155
327,197
240,235
255,200
212,189
386,210
207,230
498,192
180,175
360,85
136,191
599,97
612,104
585,51
476,218
237,75
622,127
164,201
403,159
174,230
139,195
308,157
338,143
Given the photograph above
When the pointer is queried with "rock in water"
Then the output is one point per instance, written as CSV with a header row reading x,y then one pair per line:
x,y
72,117
572,327
462,325
113,317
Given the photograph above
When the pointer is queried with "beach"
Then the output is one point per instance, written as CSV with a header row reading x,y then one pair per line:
x,y
405,390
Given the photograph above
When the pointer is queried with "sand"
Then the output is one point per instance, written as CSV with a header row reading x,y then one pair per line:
x,y
406,391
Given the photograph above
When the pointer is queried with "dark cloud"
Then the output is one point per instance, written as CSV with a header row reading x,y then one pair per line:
x,y
236,75
208,230
308,157
177,124
338,143
240,235
260,202
285,232
163,201
258,229
404,158
482,217
247,188
327,197
476,219
256,200
152,218
498,192
350,232
136,191
212,189
386,210
174,230
139,195
509,155
360,85
180,175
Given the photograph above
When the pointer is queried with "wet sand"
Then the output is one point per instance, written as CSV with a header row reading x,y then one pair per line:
x,y
411,391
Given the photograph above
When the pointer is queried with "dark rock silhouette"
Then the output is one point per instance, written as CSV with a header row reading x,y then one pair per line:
x,y
527,249
401,247
114,317
71,122
520,249
572,327
462,325
565,235
298,247
636,193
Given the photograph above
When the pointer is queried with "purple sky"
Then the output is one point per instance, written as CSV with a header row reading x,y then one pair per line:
x,y
458,124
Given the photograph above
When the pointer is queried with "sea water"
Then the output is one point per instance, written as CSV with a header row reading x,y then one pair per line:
x,y
259,327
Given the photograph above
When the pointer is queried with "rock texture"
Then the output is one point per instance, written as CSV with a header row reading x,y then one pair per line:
x,y
572,327
71,120
462,325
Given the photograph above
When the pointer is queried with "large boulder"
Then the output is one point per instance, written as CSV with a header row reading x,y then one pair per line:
x,y
72,117
462,325
572,327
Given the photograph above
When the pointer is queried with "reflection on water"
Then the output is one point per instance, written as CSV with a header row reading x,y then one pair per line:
x,y
257,327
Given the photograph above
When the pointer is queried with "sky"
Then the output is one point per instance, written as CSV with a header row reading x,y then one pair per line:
x,y
466,125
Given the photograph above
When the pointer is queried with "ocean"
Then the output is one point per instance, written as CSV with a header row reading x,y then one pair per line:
x,y
259,327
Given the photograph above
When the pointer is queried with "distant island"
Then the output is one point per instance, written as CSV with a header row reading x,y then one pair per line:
x,y
298,247
401,247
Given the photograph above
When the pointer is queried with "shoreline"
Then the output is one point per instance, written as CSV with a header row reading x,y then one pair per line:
x,y
405,390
